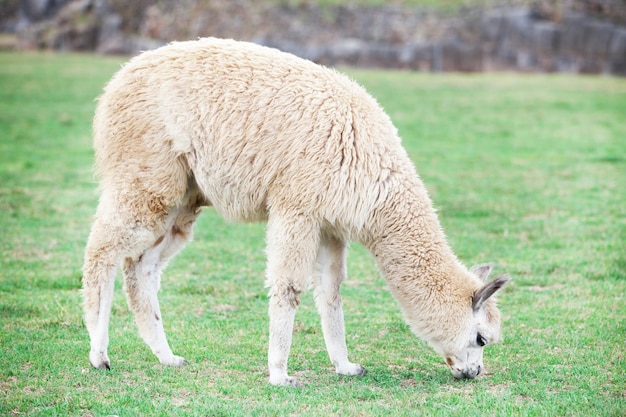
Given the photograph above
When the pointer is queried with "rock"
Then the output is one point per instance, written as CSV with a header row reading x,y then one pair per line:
x,y
597,38
617,52
460,56
545,41
37,10
567,36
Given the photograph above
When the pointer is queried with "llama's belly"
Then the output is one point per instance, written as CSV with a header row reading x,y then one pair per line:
x,y
238,192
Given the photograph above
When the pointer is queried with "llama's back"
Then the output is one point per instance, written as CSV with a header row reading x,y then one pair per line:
x,y
258,129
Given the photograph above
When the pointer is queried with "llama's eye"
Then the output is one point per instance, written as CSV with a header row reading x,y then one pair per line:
x,y
480,340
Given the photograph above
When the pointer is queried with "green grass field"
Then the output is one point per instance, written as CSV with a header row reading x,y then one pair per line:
x,y
527,172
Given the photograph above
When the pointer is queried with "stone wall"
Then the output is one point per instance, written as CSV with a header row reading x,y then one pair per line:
x,y
576,36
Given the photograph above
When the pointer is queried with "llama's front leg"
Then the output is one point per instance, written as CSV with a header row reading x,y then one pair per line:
x,y
292,243
142,281
282,315
330,274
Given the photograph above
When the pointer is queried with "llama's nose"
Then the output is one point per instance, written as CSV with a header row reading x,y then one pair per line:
x,y
472,373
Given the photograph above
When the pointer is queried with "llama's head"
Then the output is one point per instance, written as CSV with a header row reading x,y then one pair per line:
x,y
477,328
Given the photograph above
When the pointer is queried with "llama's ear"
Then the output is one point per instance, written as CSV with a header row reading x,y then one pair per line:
x,y
489,289
482,271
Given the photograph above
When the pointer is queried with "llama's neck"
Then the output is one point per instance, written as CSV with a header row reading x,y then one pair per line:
x,y
414,257
406,238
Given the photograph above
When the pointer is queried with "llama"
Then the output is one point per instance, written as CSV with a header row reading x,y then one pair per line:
x,y
261,135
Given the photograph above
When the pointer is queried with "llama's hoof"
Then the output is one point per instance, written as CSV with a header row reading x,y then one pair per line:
x,y
175,361
100,360
362,371
104,366
286,381
351,369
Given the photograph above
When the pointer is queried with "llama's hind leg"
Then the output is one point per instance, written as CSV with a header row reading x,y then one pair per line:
x,y
331,272
99,270
142,282
111,239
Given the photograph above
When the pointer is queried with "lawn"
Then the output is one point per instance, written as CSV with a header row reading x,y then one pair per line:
x,y
527,172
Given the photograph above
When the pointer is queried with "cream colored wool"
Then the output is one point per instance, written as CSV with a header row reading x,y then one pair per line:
x,y
262,135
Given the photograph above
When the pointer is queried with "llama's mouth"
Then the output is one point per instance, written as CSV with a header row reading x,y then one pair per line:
x,y
462,371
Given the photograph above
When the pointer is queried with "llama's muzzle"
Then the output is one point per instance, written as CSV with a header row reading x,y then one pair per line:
x,y
464,371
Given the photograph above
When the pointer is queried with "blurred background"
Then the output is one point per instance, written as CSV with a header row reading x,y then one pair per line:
x,y
572,36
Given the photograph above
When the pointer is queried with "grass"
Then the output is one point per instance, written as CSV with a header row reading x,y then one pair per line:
x,y
527,171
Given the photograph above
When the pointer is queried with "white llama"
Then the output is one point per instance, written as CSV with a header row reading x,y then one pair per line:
x,y
262,135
